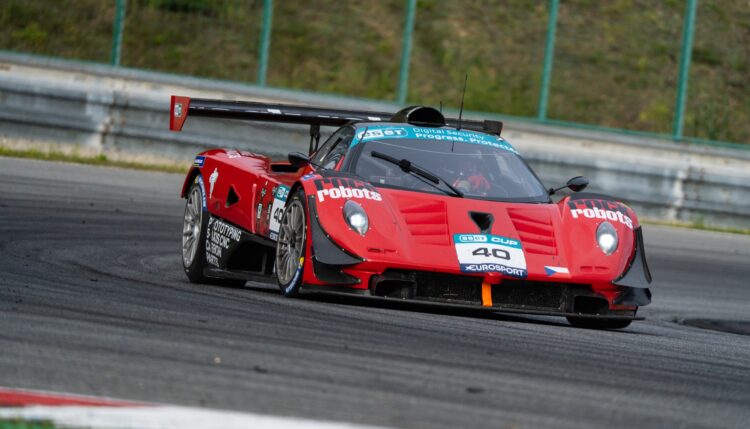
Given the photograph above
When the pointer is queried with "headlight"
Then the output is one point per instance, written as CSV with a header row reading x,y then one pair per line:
x,y
356,217
606,238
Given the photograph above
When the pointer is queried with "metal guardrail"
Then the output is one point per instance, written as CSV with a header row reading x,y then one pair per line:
x,y
113,109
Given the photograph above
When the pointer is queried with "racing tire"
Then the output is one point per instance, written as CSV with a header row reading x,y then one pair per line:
x,y
590,323
194,226
290,246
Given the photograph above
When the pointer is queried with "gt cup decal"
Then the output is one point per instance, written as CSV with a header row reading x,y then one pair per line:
x,y
482,253
277,209
334,188
600,209
199,160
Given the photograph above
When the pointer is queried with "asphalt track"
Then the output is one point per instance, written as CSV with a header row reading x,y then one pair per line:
x,y
93,300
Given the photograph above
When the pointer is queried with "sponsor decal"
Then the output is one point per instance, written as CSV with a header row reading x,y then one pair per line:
x,y
600,209
280,196
307,177
199,161
177,110
551,271
203,191
212,181
335,188
220,236
482,253
381,132
258,211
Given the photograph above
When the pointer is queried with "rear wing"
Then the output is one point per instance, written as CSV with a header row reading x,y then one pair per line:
x,y
181,107
316,117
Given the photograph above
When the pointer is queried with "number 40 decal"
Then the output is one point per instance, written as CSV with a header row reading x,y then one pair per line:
x,y
496,253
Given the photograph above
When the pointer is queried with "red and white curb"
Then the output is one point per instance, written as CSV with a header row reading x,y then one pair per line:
x,y
83,412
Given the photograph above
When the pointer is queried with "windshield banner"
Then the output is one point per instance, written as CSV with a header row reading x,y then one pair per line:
x,y
382,132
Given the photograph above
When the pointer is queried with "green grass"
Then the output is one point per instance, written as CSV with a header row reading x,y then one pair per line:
x,y
25,424
615,63
90,160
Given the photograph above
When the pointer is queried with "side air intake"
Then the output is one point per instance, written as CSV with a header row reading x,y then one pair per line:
x,y
420,115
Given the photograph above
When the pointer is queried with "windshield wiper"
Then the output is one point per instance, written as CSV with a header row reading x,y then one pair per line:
x,y
410,167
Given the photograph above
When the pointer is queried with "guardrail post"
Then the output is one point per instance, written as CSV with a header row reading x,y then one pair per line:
x,y
549,53
265,41
119,26
682,84
403,75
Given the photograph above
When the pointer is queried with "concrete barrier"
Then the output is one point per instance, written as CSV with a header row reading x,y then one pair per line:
x,y
109,110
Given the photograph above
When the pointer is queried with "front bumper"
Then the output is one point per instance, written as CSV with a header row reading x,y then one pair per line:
x,y
510,296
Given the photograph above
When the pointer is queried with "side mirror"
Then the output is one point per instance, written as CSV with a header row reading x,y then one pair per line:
x,y
576,184
298,160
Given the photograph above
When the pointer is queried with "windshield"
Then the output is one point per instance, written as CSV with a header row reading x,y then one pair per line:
x,y
482,170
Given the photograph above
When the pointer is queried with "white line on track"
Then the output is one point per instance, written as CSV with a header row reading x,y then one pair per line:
x,y
161,417
77,411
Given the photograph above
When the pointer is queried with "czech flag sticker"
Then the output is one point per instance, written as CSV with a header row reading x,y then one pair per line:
x,y
556,271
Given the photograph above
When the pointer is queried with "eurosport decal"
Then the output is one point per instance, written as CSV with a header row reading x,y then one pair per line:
x,y
220,237
199,160
334,188
381,132
482,253
276,210
591,208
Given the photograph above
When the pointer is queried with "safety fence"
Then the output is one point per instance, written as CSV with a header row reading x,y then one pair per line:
x,y
671,69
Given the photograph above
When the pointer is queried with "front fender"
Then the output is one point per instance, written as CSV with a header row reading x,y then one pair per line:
x,y
581,214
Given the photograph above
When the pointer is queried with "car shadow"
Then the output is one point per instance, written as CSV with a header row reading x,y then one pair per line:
x,y
428,308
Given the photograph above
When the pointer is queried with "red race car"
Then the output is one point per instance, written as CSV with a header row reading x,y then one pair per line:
x,y
407,206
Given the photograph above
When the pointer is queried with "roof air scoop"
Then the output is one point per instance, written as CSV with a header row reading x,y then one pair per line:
x,y
420,115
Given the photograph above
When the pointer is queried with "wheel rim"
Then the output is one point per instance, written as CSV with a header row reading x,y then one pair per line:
x,y
291,244
191,227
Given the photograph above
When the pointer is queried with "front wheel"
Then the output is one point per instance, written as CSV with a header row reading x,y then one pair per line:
x,y
290,247
592,323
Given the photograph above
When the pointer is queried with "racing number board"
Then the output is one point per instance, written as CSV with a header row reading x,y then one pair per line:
x,y
482,253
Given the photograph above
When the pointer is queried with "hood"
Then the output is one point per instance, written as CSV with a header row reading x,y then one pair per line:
x,y
434,232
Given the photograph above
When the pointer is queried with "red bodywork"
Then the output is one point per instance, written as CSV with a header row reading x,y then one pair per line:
x,y
413,237
413,231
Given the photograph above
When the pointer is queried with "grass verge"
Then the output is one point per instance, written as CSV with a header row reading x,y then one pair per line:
x,y
90,160
26,424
